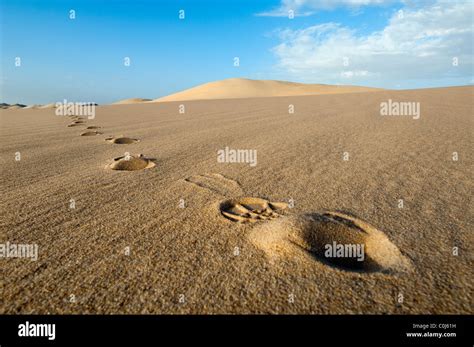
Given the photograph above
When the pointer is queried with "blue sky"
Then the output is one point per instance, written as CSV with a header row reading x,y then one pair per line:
x,y
82,59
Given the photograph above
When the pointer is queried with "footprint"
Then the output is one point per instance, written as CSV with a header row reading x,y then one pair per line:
x,y
131,163
90,133
93,127
216,183
121,140
76,123
334,238
250,210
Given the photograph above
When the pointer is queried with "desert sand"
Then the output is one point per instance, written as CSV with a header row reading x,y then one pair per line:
x,y
234,88
161,226
132,101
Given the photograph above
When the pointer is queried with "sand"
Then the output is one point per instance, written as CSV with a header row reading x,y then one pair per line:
x,y
234,88
131,101
151,235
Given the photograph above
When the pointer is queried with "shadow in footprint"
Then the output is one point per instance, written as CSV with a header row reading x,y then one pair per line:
x,y
91,133
121,140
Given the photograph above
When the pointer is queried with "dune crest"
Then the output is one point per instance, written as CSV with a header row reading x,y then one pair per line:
x,y
131,101
234,88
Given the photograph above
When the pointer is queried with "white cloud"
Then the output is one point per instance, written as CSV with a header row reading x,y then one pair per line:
x,y
417,43
357,73
308,7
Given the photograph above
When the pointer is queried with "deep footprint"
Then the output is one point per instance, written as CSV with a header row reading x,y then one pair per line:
x,y
131,163
76,123
334,238
91,133
250,210
121,140
75,117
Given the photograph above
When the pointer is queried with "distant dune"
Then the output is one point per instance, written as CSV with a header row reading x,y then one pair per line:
x,y
12,106
245,88
234,88
51,105
33,106
131,101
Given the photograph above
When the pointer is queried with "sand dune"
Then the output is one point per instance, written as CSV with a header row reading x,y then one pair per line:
x,y
245,88
234,88
50,105
4,106
131,101
178,231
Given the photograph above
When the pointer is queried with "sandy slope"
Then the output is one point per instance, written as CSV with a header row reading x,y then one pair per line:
x,y
131,101
246,88
190,253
